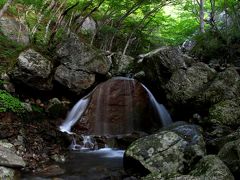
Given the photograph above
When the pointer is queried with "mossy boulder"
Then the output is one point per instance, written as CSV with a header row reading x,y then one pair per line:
x,y
186,84
167,152
33,70
211,167
225,113
225,86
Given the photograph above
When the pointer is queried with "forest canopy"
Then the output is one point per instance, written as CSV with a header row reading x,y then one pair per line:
x,y
129,26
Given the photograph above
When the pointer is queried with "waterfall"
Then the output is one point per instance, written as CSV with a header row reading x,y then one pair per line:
x,y
75,114
116,95
160,110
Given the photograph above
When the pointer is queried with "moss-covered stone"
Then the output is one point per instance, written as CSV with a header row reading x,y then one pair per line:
x,y
211,167
225,113
169,151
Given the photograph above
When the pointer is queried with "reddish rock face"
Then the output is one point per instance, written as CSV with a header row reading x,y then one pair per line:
x,y
118,106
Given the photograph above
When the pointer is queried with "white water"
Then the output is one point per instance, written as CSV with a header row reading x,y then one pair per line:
x,y
75,114
159,109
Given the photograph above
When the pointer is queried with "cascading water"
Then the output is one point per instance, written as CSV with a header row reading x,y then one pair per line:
x,y
159,109
75,114
106,99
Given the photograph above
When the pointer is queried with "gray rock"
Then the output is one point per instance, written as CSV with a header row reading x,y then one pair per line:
x,y
161,63
169,151
74,80
7,173
14,30
33,70
9,158
230,155
121,64
225,113
211,168
88,25
76,55
225,86
185,85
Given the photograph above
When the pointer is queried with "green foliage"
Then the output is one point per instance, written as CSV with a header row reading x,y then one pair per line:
x,y
9,51
8,103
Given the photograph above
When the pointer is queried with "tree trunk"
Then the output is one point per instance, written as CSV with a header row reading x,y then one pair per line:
x,y
5,7
201,15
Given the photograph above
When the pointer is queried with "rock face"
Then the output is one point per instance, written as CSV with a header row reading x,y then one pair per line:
x,y
185,85
79,64
169,151
9,158
118,106
88,25
14,30
33,70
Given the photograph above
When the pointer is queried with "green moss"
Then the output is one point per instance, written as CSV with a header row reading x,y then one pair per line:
x,y
9,103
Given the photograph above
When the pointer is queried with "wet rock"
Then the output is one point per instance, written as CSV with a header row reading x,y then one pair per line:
x,y
185,85
118,106
14,29
211,167
7,173
225,113
7,85
74,80
121,64
51,171
78,56
9,158
230,155
33,70
169,151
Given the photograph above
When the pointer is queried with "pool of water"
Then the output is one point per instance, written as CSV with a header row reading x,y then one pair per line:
x,y
102,164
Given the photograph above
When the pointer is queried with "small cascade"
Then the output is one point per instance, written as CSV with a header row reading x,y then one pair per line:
x,y
75,114
159,109
88,143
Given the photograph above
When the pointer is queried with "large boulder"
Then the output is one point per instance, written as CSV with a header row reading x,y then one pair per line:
x,y
33,70
74,80
8,157
186,84
225,86
79,63
78,56
159,64
88,25
14,29
173,150
118,106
